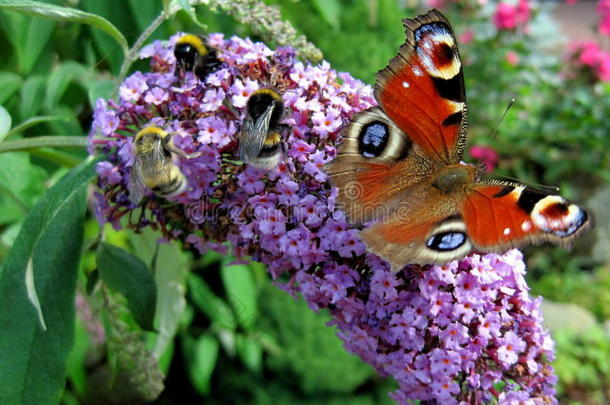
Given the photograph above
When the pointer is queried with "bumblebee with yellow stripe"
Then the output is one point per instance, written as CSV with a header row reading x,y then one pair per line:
x,y
260,140
195,55
154,167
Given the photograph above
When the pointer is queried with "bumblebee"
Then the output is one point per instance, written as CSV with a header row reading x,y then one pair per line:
x,y
193,54
154,166
260,140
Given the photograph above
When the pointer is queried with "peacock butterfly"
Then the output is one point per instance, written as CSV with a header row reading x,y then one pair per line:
x,y
400,168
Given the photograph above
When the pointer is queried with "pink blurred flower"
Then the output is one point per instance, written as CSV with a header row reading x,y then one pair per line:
x,y
508,16
435,3
571,2
512,58
589,55
486,155
604,24
466,37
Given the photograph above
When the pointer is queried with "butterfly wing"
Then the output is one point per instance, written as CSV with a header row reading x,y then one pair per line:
x,y
499,217
376,165
422,88
389,153
399,165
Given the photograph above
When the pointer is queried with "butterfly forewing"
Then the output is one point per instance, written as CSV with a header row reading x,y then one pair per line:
x,y
422,89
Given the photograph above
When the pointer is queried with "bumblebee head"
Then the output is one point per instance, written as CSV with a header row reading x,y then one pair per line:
x,y
260,100
150,135
189,49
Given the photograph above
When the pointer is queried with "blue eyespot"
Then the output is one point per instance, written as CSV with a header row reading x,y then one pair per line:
x,y
446,241
373,139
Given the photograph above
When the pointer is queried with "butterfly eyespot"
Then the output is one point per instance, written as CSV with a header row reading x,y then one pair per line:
x,y
445,241
373,139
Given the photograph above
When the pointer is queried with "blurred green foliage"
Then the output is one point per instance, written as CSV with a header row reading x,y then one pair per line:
x,y
233,335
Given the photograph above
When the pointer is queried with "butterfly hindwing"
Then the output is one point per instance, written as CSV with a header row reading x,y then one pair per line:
x,y
499,217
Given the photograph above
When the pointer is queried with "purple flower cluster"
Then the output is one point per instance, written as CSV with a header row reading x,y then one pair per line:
x,y
467,332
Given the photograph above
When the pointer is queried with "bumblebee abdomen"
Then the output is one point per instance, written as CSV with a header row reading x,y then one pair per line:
x,y
167,186
273,138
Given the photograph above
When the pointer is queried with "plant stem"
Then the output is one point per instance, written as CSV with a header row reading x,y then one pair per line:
x,y
44,141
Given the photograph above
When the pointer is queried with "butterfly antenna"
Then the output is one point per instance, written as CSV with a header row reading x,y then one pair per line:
x,y
508,107
541,187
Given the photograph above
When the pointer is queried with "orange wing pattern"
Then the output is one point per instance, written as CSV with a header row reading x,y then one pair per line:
x,y
499,217
422,89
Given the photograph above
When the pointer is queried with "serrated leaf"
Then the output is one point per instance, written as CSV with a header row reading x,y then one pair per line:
x,y
9,84
5,123
33,360
210,304
128,275
60,13
201,356
241,292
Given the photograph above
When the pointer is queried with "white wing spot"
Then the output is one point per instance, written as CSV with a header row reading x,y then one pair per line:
x,y
526,226
406,85
417,71
506,231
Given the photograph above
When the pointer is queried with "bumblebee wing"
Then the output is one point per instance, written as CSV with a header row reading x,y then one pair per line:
x,y
137,188
150,169
253,135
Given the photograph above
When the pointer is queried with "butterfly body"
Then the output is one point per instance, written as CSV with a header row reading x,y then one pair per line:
x,y
400,166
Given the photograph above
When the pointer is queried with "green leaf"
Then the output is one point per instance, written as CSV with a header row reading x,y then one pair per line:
x,y
207,302
34,358
58,82
9,84
102,88
30,122
201,356
38,34
170,269
240,288
60,13
32,96
21,184
5,123
144,12
186,6
128,275
77,360
250,352
117,12
329,10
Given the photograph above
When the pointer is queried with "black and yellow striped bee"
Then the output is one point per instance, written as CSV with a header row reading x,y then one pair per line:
x,y
154,166
260,140
194,54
